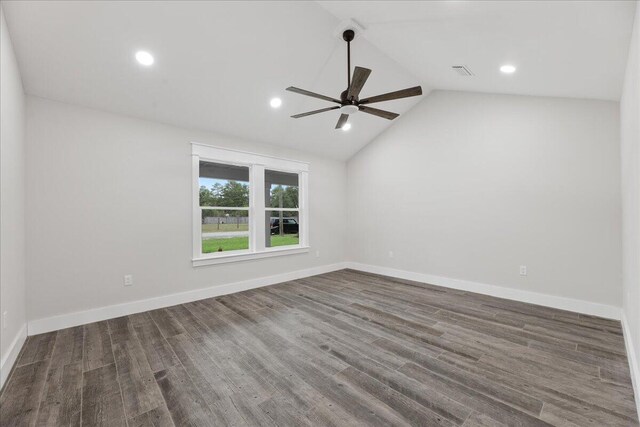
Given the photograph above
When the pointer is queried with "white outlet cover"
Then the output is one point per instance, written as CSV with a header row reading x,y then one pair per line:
x,y
523,270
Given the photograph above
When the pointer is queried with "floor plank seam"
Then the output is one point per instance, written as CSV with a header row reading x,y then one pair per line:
x,y
84,333
115,364
191,337
177,358
46,375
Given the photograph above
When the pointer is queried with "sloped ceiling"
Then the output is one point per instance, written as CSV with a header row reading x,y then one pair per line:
x,y
219,63
560,48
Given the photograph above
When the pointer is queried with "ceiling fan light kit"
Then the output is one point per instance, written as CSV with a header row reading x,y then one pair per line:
x,y
349,109
349,102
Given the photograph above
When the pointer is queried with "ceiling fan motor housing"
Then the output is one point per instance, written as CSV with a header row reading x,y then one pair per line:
x,y
344,98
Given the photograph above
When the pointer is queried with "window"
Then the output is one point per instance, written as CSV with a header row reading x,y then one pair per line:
x,y
224,202
282,214
247,206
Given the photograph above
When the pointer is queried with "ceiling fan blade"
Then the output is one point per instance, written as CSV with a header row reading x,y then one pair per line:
x,y
342,121
308,113
404,93
360,76
314,95
380,113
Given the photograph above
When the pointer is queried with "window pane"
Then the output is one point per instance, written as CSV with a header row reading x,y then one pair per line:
x,y
224,185
282,228
281,189
224,230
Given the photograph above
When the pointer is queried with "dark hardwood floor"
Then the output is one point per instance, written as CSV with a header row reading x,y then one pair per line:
x,y
343,348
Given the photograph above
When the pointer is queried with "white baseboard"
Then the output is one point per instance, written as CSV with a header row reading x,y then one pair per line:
x,y
634,362
54,323
569,304
9,359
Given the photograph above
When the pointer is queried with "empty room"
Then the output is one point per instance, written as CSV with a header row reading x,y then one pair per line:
x,y
320,213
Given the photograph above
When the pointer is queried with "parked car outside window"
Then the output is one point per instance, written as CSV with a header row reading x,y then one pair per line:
x,y
289,226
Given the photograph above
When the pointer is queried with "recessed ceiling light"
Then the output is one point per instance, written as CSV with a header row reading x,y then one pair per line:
x,y
508,69
145,58
276,102
346,126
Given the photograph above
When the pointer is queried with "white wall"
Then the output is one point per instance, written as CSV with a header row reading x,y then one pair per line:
x,y
630,155
471,186
12,203
110,195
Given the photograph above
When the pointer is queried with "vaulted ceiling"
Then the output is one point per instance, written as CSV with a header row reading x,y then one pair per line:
x,y
217,64
574,49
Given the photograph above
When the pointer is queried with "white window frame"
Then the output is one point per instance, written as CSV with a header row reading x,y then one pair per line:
x,y
257,165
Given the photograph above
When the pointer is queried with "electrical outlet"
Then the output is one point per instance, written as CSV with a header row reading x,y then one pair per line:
x,y
4,320
390,254
523,270
128,280
317,254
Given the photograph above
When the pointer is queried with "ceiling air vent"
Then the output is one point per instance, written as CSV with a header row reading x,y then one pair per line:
x,y
462,70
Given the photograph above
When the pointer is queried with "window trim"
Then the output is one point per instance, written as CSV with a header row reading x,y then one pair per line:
x,y
257,164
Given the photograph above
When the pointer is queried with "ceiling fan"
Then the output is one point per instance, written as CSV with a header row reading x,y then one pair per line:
x,y
349,103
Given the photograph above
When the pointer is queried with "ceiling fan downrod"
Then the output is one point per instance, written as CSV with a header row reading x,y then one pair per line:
x,y
347,36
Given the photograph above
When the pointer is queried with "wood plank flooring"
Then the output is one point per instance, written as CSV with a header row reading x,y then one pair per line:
x,y
343,349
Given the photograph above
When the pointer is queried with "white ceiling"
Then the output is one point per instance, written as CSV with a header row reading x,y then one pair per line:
x,y
219,63
561,48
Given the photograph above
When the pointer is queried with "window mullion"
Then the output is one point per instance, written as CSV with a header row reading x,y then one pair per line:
x,y
197,213
303,205
257,203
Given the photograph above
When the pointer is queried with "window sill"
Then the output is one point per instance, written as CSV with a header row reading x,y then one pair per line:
x,y
246,256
